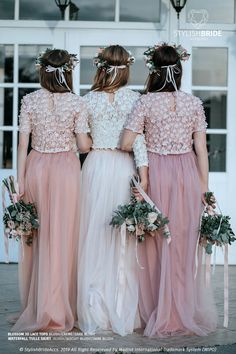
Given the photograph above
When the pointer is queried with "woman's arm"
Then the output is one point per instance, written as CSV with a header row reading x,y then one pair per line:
x,y
143,175
84,142
200,146
127,140
141,159
21,161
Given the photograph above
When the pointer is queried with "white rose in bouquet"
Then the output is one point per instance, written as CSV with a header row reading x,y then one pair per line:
x,y
131,228
13,233
152,227
129,221
152,217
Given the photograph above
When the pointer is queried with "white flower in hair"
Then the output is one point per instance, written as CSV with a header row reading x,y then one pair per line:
x,y
100,63
148,55
68,66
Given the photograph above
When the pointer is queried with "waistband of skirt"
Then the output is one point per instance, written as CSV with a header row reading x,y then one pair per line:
x,y
110,151
170,153
54,152
182,154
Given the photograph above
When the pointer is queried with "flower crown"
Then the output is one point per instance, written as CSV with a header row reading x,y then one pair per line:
x,y
148,55
68,66
101,63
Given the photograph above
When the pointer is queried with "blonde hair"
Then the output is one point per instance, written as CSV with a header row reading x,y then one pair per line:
x,y
114,55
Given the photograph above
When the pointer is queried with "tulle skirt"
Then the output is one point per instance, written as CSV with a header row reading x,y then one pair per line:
x,y
107,270
47,269
172,301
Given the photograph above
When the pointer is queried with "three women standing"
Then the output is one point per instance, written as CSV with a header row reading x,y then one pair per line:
x,y
171,300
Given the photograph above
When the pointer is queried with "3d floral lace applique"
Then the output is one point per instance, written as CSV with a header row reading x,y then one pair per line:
x,y
53,120
167,131
107,121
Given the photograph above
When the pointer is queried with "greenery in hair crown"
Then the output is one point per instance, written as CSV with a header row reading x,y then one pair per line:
x,y
101,63
68,66
148,55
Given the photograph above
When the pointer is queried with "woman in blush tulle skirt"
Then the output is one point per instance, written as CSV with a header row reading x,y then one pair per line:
x,y
172,300
49,177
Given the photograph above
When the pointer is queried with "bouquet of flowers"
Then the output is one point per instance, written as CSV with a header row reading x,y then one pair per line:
x,y
215,228
141,219
20,218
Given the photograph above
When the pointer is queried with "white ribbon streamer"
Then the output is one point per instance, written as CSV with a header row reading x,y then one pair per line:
x,y
226,287
6,240
114,68
149,201
121,271
136,245
121,264
197,244
171,70
59,74
214,260
208,267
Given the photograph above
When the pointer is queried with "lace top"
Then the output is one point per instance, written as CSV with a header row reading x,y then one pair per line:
x,y
107,119
169,121
53,119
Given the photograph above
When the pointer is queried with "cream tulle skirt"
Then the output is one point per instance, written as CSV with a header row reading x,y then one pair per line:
x,y
172,302
107,269
47,269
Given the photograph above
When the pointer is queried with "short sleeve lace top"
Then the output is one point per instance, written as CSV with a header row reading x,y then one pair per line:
x,y
53,119
169,120
107,120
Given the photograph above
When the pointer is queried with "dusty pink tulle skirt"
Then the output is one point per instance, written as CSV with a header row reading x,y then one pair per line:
x,y
47,269
172,301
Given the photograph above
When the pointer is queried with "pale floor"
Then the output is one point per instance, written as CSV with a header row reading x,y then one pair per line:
x,y
223,341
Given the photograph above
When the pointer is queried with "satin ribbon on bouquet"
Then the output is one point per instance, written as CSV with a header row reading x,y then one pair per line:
x,y
149,201
6,239
14,200
14,197
121,271
208,266
121,264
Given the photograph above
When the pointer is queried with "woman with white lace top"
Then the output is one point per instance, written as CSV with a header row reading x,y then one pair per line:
x,y
107,269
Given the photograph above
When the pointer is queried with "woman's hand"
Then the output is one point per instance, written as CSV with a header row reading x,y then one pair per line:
x,y
21,162
209,201
203,198
144,185
21,189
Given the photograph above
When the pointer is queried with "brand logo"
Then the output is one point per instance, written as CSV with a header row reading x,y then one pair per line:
x,y
198,18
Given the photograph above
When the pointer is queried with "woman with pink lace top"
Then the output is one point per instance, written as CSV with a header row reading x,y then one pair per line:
x,y
50,177
172,300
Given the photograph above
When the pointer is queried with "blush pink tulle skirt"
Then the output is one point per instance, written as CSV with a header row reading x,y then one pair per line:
x,y
172,301
47,269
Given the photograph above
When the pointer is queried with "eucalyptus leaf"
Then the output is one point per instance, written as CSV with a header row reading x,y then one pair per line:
x,y
209,248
